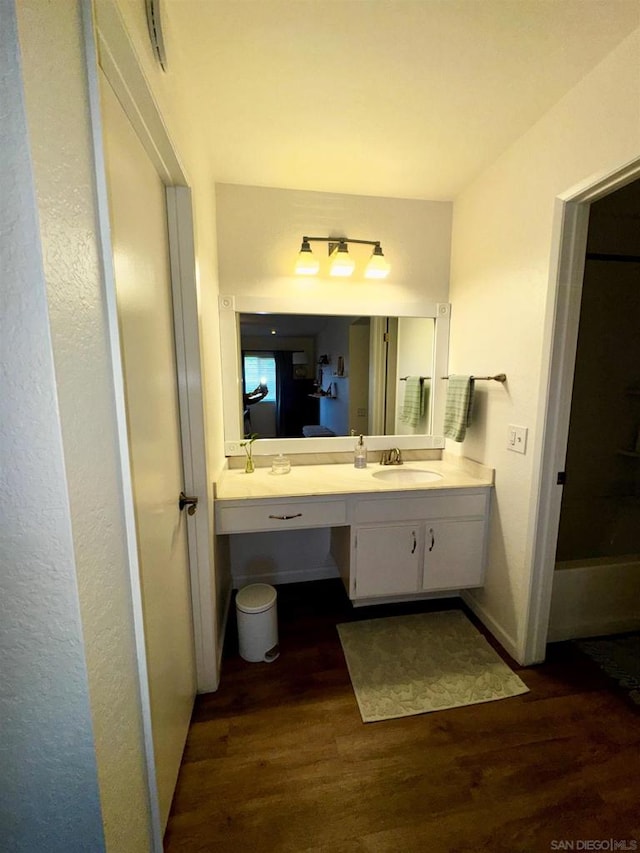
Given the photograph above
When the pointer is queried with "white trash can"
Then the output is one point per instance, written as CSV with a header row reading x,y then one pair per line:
x,y
257,622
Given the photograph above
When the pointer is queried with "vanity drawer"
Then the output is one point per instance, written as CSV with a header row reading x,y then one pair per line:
x,y
405,508
252,516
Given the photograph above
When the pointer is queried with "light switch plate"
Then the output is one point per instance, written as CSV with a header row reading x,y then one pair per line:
x,y
517,438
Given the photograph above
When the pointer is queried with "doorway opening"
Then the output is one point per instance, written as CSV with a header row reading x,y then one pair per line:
x,y
569,241
596,585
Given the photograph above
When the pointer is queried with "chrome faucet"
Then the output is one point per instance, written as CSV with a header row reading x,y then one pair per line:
x,y
393,456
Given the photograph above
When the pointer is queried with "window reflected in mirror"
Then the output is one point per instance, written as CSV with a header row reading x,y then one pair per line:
x,y
323,376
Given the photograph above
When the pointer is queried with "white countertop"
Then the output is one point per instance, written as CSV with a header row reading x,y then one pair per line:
x,y
336,479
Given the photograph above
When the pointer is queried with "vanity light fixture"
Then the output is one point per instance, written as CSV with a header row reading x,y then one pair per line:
x,y
341,264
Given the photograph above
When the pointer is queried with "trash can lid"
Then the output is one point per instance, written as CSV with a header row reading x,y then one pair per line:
x,y
256,598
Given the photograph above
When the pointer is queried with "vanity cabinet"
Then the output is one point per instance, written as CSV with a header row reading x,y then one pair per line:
x,y
440,545
387,544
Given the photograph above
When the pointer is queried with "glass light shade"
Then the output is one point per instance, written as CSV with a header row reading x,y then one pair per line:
x,y
306,263
341,264
377,267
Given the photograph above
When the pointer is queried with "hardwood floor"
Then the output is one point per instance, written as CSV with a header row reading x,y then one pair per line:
x,y
279,760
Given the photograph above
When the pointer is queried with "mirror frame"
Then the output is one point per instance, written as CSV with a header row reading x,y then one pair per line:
x,y
230,308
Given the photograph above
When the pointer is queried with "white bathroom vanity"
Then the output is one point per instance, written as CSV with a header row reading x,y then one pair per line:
x,y
398,537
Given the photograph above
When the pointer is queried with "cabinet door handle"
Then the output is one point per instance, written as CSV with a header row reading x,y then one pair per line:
x,y
286,517
433,539
415,542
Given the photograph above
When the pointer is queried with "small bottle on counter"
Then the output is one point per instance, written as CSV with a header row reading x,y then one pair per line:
x,y
280,465
360,454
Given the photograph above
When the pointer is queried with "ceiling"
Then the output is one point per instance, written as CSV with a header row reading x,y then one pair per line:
x,y
402,98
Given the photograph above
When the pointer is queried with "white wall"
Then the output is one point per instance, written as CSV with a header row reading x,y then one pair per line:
x,y
260,230
500,289
49,796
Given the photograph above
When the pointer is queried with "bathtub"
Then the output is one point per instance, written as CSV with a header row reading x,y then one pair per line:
x,y
594,597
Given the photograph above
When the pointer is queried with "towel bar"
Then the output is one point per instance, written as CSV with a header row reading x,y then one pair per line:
x,y
499,377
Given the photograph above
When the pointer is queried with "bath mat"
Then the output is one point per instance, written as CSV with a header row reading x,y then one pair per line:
x,y
405,665
619,657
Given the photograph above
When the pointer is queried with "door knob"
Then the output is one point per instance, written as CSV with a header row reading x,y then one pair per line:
x,y
190,503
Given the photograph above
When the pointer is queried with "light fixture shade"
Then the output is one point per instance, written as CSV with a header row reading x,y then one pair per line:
x,y
306,263
341,264
377,267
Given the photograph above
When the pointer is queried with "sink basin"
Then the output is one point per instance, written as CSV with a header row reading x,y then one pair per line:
x,y
406,475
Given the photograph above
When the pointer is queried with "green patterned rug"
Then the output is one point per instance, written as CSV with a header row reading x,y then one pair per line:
x,y
405,665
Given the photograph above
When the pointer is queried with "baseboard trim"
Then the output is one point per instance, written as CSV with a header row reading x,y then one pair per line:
x,y
221,635
506,640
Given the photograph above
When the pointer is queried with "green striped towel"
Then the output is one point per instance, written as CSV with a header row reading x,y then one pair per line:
x,y
457,413
414,405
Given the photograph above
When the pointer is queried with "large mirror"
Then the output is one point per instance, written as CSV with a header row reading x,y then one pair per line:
x,y
313,379
309,375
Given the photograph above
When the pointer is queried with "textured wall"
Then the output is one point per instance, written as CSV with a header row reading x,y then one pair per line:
x,y
49,796
57,113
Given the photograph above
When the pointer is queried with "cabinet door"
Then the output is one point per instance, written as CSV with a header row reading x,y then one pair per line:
x,y
387,560
453,554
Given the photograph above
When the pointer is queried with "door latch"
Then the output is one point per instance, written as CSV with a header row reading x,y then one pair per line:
x,y
190,503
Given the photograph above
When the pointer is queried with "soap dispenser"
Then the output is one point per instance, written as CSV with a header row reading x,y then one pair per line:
x,y
360,454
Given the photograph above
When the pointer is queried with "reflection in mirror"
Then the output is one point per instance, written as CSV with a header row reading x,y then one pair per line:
x,y
322,376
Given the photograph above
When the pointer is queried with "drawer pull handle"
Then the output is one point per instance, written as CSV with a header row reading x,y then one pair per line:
x,y
286,517
433,539
415,542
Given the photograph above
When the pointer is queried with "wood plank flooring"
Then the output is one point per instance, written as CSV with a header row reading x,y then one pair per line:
x,y
279,760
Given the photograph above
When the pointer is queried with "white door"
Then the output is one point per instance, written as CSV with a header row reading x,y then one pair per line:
x,y
141,262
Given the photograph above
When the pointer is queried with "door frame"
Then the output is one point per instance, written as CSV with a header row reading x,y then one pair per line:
x,y
107,46
569,244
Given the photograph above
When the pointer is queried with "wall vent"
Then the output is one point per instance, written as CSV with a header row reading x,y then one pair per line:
x,y
155,20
